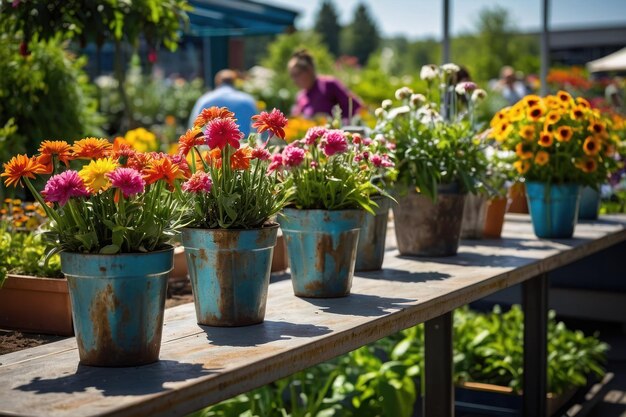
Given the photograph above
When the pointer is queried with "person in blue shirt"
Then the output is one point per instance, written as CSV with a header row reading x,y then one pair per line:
x,y
226,95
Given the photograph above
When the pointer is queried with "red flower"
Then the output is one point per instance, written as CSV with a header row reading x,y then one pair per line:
x,y
220,132
274,122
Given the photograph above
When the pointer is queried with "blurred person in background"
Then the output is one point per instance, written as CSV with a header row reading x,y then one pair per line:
x,y
509,86
225,94
319,94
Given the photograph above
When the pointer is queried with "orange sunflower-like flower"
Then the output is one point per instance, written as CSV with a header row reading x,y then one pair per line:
x,y
241,158
532,100
564,98
211,113
535,113
502,131
542,158
522,167
583,102
528,132
587,165
564,133
524,150
50,148
552,117
498,118
162,169
122,150
592,146
546,139
578,112
91,148
598,128
21,166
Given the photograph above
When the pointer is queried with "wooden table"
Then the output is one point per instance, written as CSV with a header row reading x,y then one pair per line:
x,y
200,366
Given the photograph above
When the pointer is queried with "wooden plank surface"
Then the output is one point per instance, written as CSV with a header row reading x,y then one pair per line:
x,y
203,365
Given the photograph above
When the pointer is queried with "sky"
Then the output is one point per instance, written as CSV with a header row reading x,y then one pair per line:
x,y
422,18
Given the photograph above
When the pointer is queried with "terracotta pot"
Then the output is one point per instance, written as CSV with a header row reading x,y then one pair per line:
x,y
517,194
280,260
427,228
36,305
496,209
474,215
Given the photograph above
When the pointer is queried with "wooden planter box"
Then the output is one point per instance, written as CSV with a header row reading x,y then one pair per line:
x,y
497,400
36,305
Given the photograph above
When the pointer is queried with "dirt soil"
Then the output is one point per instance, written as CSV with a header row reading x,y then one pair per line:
x,y
178,292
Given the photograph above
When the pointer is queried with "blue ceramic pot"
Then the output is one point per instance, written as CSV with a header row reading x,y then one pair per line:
x,y
371,247
117,305
321,245
553,208
230,272
589,204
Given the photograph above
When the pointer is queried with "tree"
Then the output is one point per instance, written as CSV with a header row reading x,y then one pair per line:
x,y
495,31
328,27
361,36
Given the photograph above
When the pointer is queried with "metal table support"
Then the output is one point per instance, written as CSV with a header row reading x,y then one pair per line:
x,y
438,389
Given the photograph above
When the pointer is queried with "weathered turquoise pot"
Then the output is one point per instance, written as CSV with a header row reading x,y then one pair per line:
x,y
321,245
553,208
370,251
117,305
230,272
589,204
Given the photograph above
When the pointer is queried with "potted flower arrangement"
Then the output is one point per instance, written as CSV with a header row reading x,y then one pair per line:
x,y
560,144
330,177
110,218
439,159
231,236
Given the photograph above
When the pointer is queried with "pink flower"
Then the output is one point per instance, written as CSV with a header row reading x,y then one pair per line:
x,y
128,180
61,187
367,141
277,163
199,182
390,146
381,161
220,132
261,154
334,142
356,139
293,156
313,134
274,122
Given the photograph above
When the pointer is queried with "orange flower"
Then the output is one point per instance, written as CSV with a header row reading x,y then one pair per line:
x,y
241,158
162,169
273,122
546,139
542,158
578,112
527,132
522,167
564,133
193,137
502,131
535,113
122,148
523,150
583,103
91,148
587,165
532,100
50,148
212,158
564,97
206,115
598,128
592,146
553,117
21,166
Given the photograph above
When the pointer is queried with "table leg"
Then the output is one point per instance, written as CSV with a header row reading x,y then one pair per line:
x,y
438,388
535,305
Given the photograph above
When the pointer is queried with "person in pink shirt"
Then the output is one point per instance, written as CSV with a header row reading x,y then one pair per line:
x,y
319,93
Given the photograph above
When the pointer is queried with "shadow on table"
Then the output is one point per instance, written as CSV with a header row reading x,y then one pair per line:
x,y
260,334
481,260
143,380
400,275
359,304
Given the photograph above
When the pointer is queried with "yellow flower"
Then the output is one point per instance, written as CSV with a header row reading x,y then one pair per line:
x,y
532,100
542,158
578,112
583,103
587,165
498,118
592,146
502,131
553,117
523,150
94,174
517,112
142,140
528,132
564,133
598,128
546,139
536,112
522,166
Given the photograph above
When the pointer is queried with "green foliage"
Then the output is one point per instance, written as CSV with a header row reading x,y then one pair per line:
x,y
361,37
328,27
46,95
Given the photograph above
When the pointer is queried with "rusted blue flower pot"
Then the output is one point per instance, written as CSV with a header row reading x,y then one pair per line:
x,y
321,245
589,204
553,209
370,251
229,272
117,305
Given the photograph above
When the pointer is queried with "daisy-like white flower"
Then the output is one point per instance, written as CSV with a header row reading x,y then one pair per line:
x,y
429,72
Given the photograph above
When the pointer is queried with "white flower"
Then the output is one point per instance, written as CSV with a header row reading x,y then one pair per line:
x,y
478,94
429,72
426,115
386,104
399,110
380,138
379,112
450,68
465,87
403,92
417,99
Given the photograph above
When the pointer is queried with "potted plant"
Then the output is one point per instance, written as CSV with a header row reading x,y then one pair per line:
x,y
560,144
439,159
330,177
231,236
34,296
110,219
